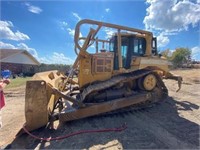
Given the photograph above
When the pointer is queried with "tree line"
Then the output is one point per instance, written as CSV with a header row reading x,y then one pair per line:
x,y
180,57
29,70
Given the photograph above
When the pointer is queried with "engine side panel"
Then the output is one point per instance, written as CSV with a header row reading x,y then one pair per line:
x,y
96,67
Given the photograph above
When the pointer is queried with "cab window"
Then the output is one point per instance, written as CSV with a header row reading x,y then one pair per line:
x,y
139,46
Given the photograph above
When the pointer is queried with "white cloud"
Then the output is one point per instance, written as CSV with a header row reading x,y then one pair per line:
x,y
76,16
109,32
63,25
33,9
6,24
54,58
7,33
171,15
196,53
32,51
57,58
107,9
71,32
162,40
6,45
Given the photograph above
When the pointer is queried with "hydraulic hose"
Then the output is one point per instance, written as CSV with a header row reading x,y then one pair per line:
x,y
119,129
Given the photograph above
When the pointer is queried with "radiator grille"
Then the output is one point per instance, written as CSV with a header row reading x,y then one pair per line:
x,y
103,62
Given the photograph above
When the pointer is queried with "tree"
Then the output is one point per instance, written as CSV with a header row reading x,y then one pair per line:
x,y
166,53
180,56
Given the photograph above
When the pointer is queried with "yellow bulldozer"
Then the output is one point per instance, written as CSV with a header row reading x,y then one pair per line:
x,y
124,70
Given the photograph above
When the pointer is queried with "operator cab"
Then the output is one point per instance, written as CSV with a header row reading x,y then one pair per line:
x,y
131,46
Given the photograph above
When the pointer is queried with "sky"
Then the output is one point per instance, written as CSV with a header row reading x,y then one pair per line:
x,y
46,28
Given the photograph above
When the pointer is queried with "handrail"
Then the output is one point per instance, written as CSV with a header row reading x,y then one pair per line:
x,y
103,24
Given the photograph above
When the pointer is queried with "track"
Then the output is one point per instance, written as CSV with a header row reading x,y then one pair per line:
x,y
158,94
141,98
111,82
120,102
125,77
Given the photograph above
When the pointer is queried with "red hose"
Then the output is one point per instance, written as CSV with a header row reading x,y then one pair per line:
x,y
123,127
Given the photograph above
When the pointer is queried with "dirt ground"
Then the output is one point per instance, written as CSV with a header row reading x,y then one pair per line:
x,y
173,124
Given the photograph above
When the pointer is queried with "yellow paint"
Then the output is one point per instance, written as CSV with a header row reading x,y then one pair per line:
x,y
86,76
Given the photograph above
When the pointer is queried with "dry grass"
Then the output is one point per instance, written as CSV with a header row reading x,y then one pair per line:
x,y
192,75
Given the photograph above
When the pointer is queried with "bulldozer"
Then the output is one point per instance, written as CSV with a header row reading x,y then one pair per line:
x,y
122,71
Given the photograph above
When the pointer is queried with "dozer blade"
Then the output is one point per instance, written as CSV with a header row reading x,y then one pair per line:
x,y
39,98
36,101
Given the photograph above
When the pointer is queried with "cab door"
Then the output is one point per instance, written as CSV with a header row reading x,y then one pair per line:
x,y
124,52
